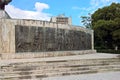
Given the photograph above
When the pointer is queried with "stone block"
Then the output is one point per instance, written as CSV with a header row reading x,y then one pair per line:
x,y
42,36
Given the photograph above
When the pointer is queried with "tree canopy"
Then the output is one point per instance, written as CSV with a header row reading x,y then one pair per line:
x,y
86,20
106,26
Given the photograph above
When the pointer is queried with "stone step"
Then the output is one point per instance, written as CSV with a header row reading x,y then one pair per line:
x,y
12,67
55,65
62,73
66,69
61,62
42,67
59,68
30,55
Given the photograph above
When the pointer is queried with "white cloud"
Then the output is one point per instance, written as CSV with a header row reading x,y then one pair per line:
x,y
76,7
38,14
101,3
95,4
40,6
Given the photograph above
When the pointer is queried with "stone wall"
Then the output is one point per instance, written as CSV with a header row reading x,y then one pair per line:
x,y
7,36
3,14
31,55
36,39
39,36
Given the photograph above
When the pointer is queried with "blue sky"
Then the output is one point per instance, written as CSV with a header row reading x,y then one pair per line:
x,y
45,9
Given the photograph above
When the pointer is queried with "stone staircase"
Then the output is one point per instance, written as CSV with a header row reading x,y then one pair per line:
x,y
37,69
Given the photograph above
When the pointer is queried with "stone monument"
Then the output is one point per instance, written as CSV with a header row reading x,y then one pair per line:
x,y
20,36
43,49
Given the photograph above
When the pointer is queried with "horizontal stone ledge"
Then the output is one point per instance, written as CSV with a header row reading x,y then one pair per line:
x,y
22,72
28,55
59,74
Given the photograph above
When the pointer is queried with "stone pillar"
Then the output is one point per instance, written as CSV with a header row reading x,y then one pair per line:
x,y
7,36
92,41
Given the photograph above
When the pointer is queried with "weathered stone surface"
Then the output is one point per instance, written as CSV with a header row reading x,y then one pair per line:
x,y
39,36
37,68
30,55
3,14
36,39
7,36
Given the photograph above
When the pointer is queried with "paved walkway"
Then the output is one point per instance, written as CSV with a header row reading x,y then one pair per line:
x,y
97,76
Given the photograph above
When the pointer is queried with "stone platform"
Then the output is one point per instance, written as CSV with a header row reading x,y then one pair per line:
x,y
59,66
28,55
19,36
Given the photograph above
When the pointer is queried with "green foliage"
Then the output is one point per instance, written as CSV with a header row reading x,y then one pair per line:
x,y
86,20
107,13
106,25
109,51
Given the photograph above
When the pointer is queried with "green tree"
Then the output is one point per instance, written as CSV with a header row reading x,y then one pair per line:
x,y
106,25
86,20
